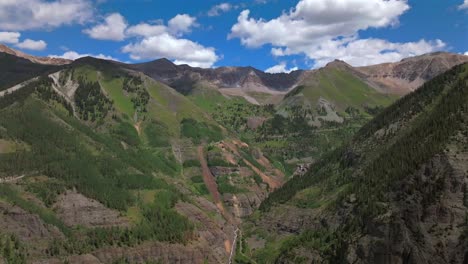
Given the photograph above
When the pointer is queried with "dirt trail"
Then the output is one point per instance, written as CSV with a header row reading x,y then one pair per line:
x,y
233,248
138,127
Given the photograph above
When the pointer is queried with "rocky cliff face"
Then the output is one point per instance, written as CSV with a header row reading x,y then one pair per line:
x,y
28,227
423,226
77,209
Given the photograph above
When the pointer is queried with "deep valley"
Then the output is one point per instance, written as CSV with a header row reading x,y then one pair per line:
x,y
108,162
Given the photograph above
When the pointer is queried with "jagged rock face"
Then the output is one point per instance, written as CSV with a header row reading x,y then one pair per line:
x,y
76,209
183,77
243,204
407,75
27,226
418,216
426,223
286,219
164,253
154,251
78,259
212,233
211,244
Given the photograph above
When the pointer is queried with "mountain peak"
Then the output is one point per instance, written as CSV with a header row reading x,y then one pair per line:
x,y
163,61
35,59
337,64
410,73
162,64
6,49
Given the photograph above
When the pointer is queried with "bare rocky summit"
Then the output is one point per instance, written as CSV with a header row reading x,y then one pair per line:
x,y
184,77
408,74
395,78
35,59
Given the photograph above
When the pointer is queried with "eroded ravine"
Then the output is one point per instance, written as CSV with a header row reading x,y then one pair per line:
x,y
212,187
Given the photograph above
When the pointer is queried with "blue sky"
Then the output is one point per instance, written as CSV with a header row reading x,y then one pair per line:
x,y
273,35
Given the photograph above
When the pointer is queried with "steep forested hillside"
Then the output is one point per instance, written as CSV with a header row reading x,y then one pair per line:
x,y
101,163
14,70
395,194
96,159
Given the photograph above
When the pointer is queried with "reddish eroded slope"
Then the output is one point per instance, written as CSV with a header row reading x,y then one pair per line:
x,y
210,183
272,181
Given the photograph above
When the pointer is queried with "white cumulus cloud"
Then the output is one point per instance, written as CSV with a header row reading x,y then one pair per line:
x,y
181,23
325,30
9,37
73,55
32,44
146,30
183,51
280,68
217,10
178,25
362,52
154,40
312,21
165,41
43,14
464,5
113,28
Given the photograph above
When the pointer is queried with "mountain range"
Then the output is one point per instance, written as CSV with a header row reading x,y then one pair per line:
x,y
108,162
409,73
392,78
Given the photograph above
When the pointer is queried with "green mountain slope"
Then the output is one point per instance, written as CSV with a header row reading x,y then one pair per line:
x,y
100,163
395,194
333,93
324,111
104,159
